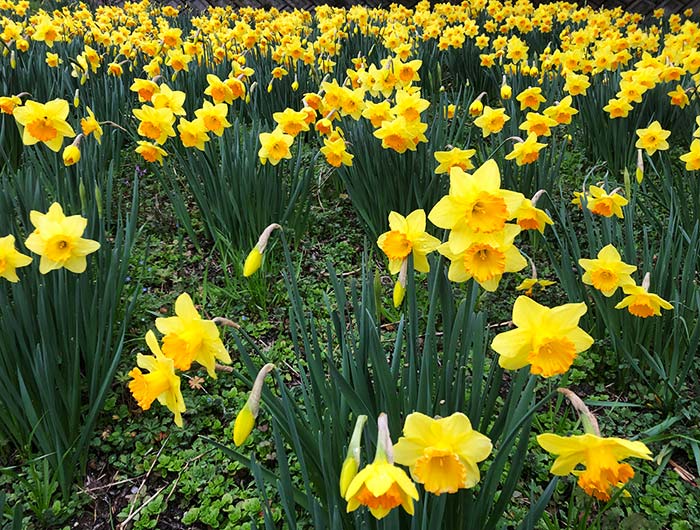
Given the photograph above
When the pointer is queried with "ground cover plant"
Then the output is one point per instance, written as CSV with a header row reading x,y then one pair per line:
x,y
349,268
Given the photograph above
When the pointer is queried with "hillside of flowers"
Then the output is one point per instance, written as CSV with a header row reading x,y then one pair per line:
x,y
349,268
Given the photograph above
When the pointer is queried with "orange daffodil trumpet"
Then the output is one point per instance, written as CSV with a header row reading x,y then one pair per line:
x,y
381,486
547,339
442,454
601,458
245,419
160,383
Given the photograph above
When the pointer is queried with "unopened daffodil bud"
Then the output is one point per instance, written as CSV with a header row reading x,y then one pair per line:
x,y
506,90
399,293
254,259
71,154
245,420
639,172
13,60
477,107
400,285
76,98
352,460
252,262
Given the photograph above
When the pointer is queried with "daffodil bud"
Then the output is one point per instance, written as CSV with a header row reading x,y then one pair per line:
x,y
352,460
254,259
245,420
476,108
639,172
13,60
506,90
400,285
269,87
399,293
295,84
71,154
252,262
76,98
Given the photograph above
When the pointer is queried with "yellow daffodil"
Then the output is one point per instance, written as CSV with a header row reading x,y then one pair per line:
x,y
291,122
485,257
548,339
214,117
58,240
407,236
529,284
160,383
189,338
641,303
44,122
401,135
538,124
193,133
562,111
601,458
531,98
526,152
476,201
442,454
156,124
381,486
618,108
165,97
491,121
692,158
600,203
275,146
145,89
335,151
150,152
608,271
11,259
90,125
455,157
219,91
530,218
9,103
653,138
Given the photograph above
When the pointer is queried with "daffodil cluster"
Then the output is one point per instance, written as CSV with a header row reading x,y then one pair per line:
x,y
187,338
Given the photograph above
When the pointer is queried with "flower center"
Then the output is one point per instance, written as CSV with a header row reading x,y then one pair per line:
x,y
488,213
212,123
396,142
604,279
278,150
147,387
484,262
440,471
553,355
387,500
42,129
602,473
603,207
59,249
528,223
397,245
641,307
3,265
150,130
